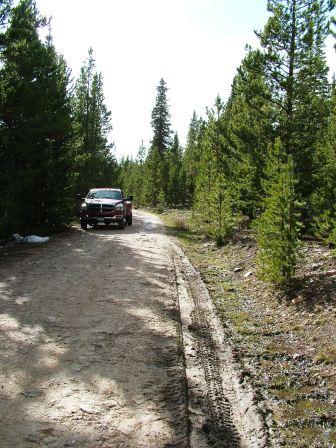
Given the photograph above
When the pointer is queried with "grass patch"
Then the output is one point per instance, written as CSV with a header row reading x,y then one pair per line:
x,y
307,437
326,356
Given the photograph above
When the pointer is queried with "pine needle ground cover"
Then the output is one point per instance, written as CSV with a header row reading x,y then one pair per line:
x,y
285,341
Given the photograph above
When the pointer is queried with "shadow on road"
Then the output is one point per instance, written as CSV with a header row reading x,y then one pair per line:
x,y
90,352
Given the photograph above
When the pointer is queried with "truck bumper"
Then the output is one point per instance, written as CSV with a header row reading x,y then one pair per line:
x,y
94,220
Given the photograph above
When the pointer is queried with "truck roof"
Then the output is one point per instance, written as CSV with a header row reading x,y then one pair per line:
x,y
105,188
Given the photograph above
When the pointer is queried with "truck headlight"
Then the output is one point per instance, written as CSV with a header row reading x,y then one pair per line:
x,y
119,207
84,206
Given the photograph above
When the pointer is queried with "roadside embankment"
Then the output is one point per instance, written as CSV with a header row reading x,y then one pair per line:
x,y
285,343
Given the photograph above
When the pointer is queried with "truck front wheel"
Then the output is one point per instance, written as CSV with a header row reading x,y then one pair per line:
x,y
84,225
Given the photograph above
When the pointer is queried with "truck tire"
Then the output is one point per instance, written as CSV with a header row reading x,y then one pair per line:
x,y
83,225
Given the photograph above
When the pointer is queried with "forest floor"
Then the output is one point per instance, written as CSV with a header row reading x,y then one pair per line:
x,y
285,342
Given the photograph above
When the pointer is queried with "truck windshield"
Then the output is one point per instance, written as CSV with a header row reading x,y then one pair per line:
x,y
104,194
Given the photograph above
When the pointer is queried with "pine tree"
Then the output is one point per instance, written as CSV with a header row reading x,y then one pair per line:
x,y
278,227
154,173
161,202
213,193
132,177
35,155
157,161
324,196
57,180
250,116
161,120
192,156
296,74
96,164
175,187
128,175
5,8
139,190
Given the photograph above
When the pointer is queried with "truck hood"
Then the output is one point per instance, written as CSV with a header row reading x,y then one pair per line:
x,y
103,201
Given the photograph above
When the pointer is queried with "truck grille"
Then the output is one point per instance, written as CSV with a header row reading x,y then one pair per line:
x,y
101,208
94,207
107,208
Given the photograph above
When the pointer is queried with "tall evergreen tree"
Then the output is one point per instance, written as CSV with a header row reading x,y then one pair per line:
x,y
296,74
35,124
278,227
155,172
157,168
324,196
213,194
250,118
5,8
161,120
96,164
192,155
139,187
175,187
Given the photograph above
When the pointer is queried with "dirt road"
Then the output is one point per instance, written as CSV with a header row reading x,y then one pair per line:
x,y
91,345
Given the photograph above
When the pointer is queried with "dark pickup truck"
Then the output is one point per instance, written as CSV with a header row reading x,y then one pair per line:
x,y
106,206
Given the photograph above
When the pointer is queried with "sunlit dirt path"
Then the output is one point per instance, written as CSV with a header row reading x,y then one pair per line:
x,y
90,348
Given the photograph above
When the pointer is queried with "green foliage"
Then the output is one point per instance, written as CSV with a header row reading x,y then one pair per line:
x,y
325,226
324,196
95,163
154,176
5,8
192,156
35,153
161,202
132,176
296,75
249,131
161,120
176,174
213,195
278,227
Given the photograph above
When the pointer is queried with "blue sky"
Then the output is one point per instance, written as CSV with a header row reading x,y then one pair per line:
x,y
194,45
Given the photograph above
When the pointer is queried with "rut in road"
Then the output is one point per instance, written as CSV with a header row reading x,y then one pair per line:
x,y
222,431
222,410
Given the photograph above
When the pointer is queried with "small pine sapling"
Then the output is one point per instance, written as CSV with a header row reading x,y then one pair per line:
x,y
278,226
162,203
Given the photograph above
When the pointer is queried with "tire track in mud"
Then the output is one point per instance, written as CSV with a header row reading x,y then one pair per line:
x,y
222,412
221,429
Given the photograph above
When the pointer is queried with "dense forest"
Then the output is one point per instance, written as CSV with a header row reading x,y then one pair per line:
x,y
54,132
265,157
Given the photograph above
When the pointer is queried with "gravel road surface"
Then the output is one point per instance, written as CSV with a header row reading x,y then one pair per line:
x,y
90,347
108,338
